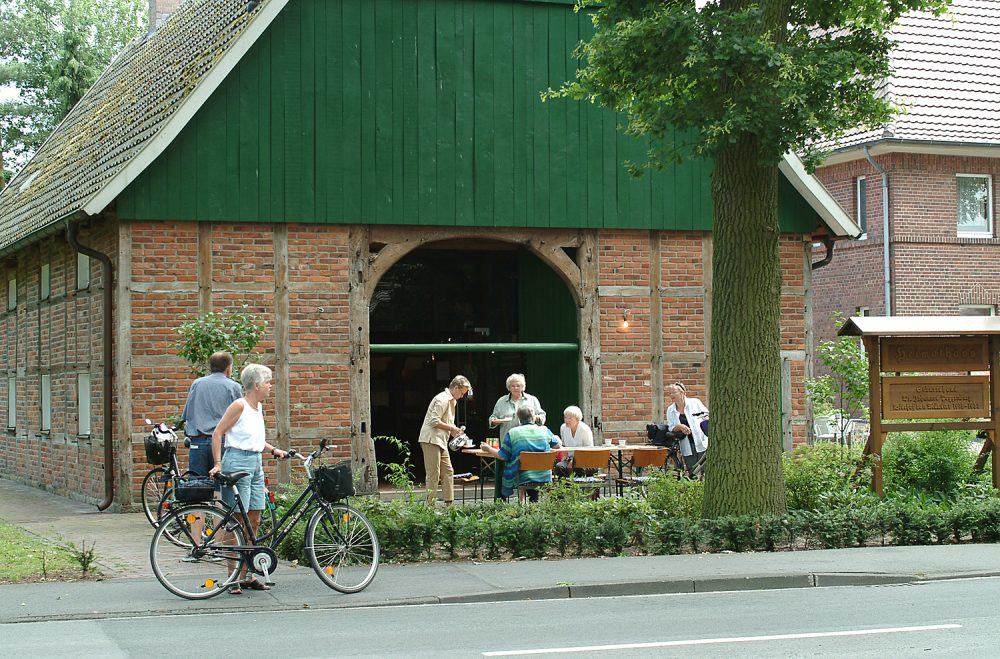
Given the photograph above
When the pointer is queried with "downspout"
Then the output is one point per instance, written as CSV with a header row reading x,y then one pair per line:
x,y
885,230
109,454
828,243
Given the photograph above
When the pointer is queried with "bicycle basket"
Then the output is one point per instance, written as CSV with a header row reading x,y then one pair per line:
x,y
195,489
335,482
158,451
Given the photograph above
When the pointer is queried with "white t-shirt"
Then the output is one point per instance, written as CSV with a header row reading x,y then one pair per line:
x,y
584,435
248,432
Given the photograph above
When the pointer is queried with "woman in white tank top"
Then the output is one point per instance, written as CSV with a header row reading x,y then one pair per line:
x,y
243,428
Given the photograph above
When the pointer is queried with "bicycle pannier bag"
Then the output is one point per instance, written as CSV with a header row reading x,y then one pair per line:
x,y
335,482
195,489
158,452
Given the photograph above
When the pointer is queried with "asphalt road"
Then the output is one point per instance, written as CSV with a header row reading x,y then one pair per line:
x,y
933,619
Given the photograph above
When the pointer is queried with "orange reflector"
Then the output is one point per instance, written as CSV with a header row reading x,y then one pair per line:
x,y
328,570
346,517
191,519
210,583
208,532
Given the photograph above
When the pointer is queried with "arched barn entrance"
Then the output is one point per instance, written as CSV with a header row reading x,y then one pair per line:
x,y
476,307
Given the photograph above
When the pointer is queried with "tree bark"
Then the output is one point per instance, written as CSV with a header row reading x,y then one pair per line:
x,y
743,474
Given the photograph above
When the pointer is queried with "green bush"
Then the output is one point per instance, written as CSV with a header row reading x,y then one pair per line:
x,y
820,476
678,497
933,463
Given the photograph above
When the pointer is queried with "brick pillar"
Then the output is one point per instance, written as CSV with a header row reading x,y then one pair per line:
x,y
159,10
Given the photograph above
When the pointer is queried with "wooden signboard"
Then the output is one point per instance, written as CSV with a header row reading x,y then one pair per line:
x,y
940,397
935,354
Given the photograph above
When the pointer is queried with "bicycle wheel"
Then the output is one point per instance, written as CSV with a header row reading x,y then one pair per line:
x,y
196,570
342,547
154,486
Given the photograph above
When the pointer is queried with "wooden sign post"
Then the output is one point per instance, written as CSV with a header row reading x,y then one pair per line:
x,y
962,352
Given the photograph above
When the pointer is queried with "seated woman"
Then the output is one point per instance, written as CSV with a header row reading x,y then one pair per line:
x,y
574,432
526,437
685,415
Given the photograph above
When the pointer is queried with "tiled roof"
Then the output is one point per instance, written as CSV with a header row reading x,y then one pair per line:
x,y
130,103
947,77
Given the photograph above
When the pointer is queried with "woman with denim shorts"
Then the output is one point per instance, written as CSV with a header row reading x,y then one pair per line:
x,y
242,426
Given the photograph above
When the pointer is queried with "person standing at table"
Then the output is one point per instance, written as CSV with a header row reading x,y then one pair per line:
x,y
685,416
438,427
573,432
526,437
503,412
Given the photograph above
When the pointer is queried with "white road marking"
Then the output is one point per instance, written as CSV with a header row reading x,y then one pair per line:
x,y
714,641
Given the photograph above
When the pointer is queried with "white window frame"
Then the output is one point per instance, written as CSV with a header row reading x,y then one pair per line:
x,y
978,307
12,294
44,282
11,402
861,201
862,312
45,398
989,207
83,398
82,271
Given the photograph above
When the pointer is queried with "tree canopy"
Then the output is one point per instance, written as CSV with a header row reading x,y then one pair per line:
x,y
749,80
51,52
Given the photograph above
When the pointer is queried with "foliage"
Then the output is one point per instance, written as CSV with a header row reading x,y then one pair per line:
x,y
237,332
743,82
931,463
680,497
843,391
822,476
399,473
51,52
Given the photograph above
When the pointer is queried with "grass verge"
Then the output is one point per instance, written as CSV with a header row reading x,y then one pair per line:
x,y
26,558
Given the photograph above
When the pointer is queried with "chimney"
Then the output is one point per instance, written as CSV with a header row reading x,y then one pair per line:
x,y
159,10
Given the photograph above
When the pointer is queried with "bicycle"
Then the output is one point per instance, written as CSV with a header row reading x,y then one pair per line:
x,y
341,543
158,485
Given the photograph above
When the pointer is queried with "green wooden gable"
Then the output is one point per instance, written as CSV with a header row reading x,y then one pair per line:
x,y
418,112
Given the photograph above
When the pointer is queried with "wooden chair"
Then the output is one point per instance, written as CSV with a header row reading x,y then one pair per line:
x,y
591,458
642,458
534,461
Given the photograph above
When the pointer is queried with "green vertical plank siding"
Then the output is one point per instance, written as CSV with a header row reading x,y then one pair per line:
x,y
418,112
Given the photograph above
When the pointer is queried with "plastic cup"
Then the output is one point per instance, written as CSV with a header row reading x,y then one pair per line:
x,y
607,441
621,442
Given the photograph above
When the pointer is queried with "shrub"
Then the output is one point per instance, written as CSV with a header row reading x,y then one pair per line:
x,y
679,497
818,476
936,463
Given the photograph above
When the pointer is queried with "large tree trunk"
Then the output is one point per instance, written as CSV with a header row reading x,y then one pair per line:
x,y
743,474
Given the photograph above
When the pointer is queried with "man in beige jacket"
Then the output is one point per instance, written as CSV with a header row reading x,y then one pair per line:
x,y
438,427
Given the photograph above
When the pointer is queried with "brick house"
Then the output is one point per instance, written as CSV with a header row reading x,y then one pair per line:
x,y
380,183
926,181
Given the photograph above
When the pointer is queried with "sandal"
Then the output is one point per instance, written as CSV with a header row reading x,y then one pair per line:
x,y
235,589
254,584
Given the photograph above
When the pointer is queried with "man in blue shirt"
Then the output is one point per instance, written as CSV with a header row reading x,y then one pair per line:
x,y
207,401
526,437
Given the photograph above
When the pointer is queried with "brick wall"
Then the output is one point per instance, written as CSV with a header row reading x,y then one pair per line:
x,y
933,270
296,279
60,337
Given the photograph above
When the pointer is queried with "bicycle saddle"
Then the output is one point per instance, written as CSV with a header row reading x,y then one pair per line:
x,y
230,479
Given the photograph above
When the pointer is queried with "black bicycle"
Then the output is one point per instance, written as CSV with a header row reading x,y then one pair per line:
x,y
340,542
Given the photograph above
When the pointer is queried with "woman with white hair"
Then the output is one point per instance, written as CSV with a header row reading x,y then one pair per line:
x,y
242,426
504,412
573,432
688,416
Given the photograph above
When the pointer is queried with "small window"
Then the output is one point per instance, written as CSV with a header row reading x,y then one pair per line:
x,y
975,205
83,403
976,310
861,200
12,294
46,399
11,402
862,312
44,282
82,271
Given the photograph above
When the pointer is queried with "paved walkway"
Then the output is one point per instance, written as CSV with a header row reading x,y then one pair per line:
x,y
129,589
